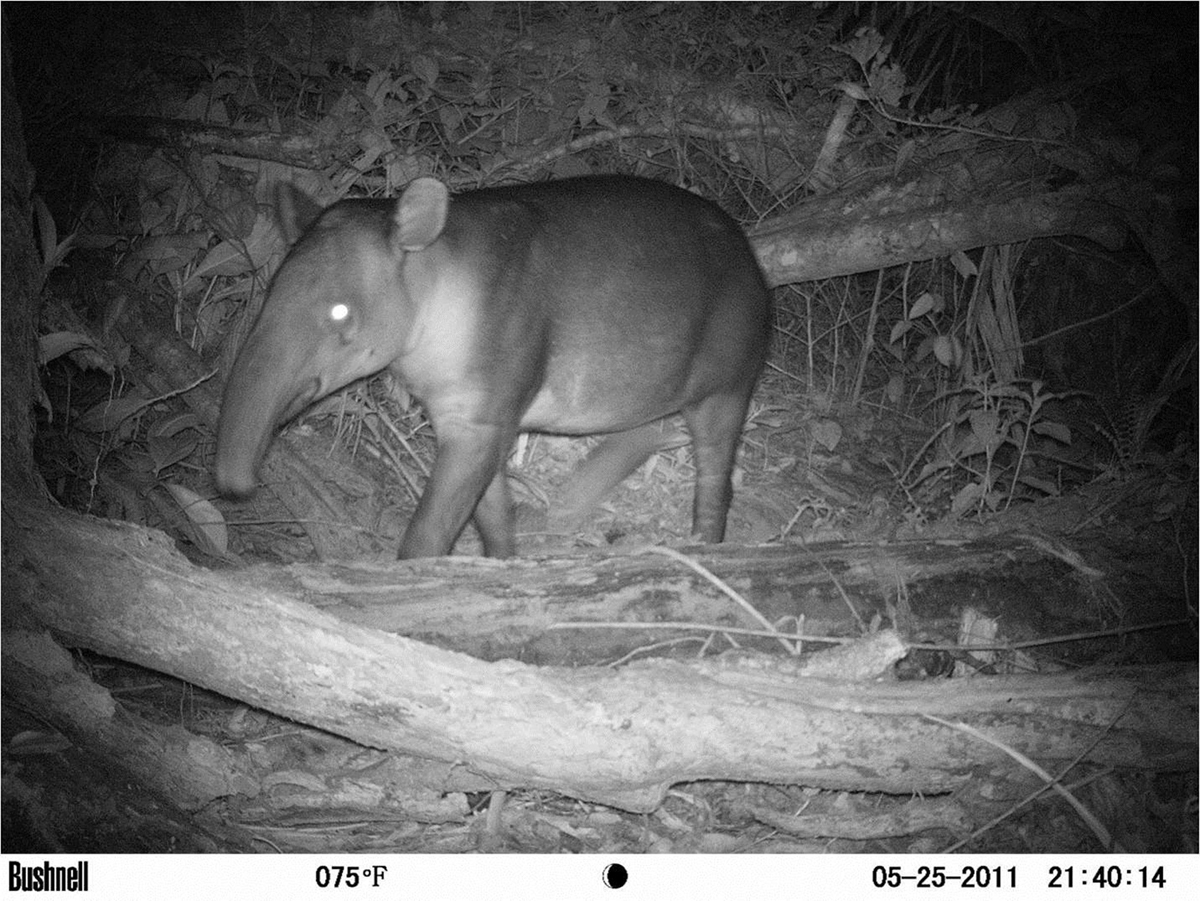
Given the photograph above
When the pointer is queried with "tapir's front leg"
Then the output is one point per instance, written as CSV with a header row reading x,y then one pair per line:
x,y
470,460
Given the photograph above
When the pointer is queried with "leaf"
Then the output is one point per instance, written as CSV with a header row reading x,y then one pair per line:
x,y
966,268
956,351
922,305
827,433
202,107
985,425
98,242
1056,121
166,253
206,524
863,46
54,345
853,91
1003,119
241,257
47,230
1055,430
224,259
53,252
946,350
1043,485
768,420
967,444
966,499
174,424
930,468
899,330
136,460
425,68
169,451
595,104
95,358
378,85
37,742
106,416
888,83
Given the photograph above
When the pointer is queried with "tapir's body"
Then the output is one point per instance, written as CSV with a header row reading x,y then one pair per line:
x,y
577,307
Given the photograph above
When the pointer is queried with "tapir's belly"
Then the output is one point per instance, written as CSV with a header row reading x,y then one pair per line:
x,y
613,364
592,391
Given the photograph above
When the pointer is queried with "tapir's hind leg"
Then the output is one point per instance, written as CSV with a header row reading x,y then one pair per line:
x,y
494,517
716,426
608,464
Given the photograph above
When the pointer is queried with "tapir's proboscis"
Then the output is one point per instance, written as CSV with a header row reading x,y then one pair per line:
x,y
587,306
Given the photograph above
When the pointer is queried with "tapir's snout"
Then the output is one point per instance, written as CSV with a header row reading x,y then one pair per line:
x,y
235,484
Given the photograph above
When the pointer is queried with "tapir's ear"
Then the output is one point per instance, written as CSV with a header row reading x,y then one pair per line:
x,y
296,211
420,214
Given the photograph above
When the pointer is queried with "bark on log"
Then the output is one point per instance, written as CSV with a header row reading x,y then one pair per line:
x,y
621,737
523,608
193,771
295,150
888,229
189,769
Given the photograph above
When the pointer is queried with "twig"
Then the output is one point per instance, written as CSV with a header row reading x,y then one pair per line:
x,y
725,587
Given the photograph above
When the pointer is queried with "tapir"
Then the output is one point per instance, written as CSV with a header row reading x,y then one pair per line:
x,y
584,306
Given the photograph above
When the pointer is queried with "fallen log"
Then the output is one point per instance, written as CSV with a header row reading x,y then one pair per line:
x,y
618,736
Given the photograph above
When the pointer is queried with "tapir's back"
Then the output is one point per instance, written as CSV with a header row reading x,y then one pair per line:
x,y
651,295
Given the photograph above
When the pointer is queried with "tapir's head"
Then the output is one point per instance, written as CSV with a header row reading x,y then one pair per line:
x,y
339,308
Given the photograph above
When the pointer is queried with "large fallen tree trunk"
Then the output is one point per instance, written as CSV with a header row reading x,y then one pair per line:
x,y
923,219
618,736
596,607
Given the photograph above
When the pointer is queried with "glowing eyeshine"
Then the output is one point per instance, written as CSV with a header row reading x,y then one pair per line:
x,y
338,312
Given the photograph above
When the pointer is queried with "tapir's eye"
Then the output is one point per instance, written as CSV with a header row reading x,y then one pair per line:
x,y
339,312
